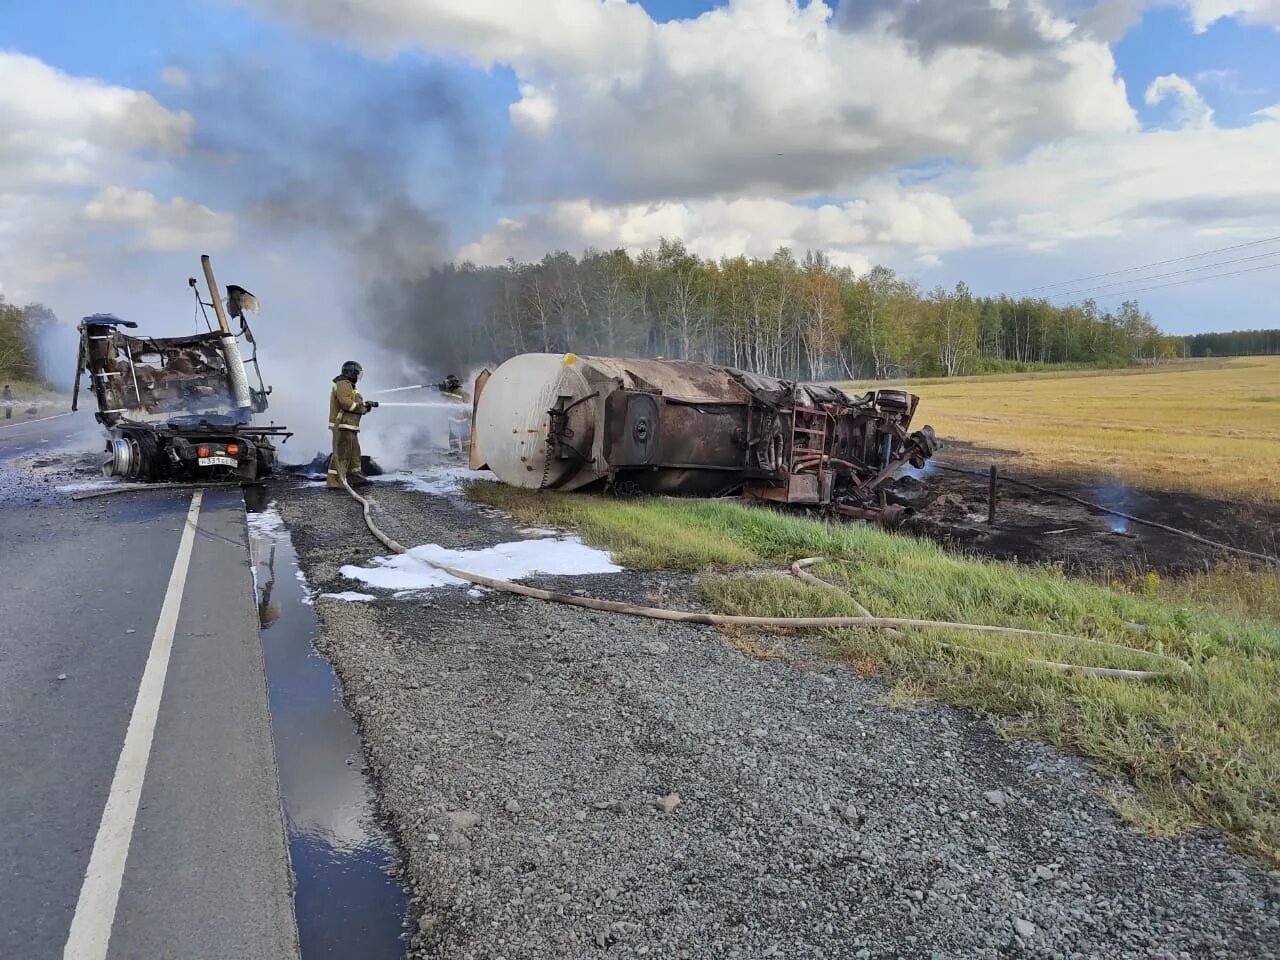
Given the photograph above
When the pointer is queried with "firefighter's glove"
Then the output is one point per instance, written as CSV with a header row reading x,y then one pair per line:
x,y
370,405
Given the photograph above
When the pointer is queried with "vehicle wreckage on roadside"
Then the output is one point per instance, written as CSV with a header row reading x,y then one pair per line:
x,y
545,421
179,408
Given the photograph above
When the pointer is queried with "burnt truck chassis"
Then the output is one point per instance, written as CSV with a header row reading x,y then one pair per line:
x,y
210,447
189,377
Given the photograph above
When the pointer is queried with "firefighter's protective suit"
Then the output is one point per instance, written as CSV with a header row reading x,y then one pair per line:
x,y
346,407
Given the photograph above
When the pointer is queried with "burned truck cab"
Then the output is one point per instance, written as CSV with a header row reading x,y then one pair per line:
x,y
178,408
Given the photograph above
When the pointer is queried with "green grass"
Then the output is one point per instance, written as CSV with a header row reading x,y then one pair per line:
x,y
26,393
1202,749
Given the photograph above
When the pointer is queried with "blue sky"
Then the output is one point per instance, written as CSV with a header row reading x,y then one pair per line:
x,y
950,139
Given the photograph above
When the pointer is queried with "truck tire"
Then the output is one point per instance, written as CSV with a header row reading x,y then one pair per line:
x,y
146,466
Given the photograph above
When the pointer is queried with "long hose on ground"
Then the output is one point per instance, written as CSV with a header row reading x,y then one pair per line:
x,y
134,487
777,623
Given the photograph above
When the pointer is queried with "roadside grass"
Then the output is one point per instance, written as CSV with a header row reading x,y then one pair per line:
x,y
1203,749
1233,589
1209,427
27,393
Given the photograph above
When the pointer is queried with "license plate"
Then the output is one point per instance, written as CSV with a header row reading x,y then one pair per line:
x,y
218,462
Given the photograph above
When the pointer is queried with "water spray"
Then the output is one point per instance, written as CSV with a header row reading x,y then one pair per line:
x,y
429,404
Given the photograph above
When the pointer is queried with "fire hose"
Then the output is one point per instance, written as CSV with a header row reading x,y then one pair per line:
x,y
780,623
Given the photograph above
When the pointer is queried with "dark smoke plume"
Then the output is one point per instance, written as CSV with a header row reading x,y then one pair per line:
x,y
361,159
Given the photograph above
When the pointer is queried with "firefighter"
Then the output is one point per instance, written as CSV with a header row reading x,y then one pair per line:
x,y
8,402
346,407
451,387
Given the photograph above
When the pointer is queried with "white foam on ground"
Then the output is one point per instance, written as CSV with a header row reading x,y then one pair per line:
x,y
308,597
538,532
506,561
351,596
86,485
267,523
440,481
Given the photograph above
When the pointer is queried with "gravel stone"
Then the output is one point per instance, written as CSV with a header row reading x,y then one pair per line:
x,y
809,841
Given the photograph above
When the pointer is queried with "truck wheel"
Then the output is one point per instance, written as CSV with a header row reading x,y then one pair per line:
x,y
146,462
266,460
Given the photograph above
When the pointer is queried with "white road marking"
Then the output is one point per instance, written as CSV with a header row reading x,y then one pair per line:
x,y
36,420
96,909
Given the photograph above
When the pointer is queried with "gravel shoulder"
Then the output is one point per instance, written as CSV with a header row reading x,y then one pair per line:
x,y
566,783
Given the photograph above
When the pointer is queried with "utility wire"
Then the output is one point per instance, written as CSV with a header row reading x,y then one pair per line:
x,y
1147,266
1176,283
1163,276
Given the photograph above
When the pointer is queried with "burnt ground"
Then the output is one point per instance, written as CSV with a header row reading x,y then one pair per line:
x,y
1032,526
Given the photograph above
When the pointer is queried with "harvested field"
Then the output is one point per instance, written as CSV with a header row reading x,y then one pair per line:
x,y
1211,428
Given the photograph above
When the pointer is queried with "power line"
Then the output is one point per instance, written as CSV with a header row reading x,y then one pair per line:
x,y
1162,276
1176,283
1147,266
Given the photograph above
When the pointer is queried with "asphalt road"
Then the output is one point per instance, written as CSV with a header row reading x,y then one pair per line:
x,y
52,432
199,855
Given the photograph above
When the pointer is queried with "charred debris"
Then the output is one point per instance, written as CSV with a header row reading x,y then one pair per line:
x,y
180,408
545,421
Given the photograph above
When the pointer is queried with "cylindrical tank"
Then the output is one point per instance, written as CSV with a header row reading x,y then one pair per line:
x,y
562,422
512,419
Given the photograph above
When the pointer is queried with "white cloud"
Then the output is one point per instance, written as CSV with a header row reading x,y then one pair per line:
x,y
575,35
884,219
1205,13
759,97
535,111
1190,109
1187,182
60,129
61,139
175,224
1111,19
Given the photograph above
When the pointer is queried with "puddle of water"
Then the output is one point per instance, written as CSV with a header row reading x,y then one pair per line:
x,y
346,901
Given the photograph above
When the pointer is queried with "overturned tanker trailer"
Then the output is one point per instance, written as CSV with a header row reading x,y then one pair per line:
x,y
545,421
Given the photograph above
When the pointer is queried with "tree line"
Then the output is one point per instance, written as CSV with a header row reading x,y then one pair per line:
x,y
19,330
799,318
1235,343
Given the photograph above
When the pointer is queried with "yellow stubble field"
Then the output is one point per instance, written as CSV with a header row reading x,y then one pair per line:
x,y
1210,427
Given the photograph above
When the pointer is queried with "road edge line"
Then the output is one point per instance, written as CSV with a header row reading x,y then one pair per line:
x,y
90,933
22,423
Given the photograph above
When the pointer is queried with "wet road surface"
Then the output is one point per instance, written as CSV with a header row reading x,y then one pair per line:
x,y
347,899
204,870
47,433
